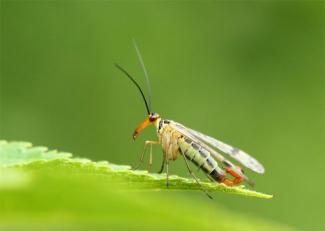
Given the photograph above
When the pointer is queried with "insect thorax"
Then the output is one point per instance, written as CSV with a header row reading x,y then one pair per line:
x,y
168,138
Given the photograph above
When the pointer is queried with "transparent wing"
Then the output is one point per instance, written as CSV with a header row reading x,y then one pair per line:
x,y
235,153
187,133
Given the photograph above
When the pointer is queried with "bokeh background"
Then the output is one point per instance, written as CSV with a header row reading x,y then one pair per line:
x,y
248,73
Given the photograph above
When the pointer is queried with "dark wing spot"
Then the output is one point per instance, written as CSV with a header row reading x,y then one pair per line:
x,y
235,151
166,121
187,140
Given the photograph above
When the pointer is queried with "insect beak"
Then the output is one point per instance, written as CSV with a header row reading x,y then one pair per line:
x,y
141,126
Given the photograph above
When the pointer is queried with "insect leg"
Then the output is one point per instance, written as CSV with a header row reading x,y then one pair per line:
x,y
162,166
144,151
195,178
167,174
150,158
141,157
208,176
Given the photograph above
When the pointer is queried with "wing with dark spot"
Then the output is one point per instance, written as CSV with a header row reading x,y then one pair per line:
x,y
189,136
235,153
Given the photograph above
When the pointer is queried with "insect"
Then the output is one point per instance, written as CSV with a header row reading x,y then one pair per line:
x,y
202,150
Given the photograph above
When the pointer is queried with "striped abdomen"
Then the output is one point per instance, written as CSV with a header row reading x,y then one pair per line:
x,y
201,158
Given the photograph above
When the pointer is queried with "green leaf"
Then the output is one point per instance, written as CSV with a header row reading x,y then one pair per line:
x,y
22,154
49,190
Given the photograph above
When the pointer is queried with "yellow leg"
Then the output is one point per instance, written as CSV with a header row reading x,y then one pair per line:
x,y
151,142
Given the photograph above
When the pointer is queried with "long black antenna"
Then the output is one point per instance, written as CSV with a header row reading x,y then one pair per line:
x,y
136,84
144,70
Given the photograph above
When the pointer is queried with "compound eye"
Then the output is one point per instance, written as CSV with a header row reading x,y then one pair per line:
x,y
152,117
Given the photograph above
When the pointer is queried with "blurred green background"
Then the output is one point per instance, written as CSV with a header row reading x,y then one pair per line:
x,y
248,73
